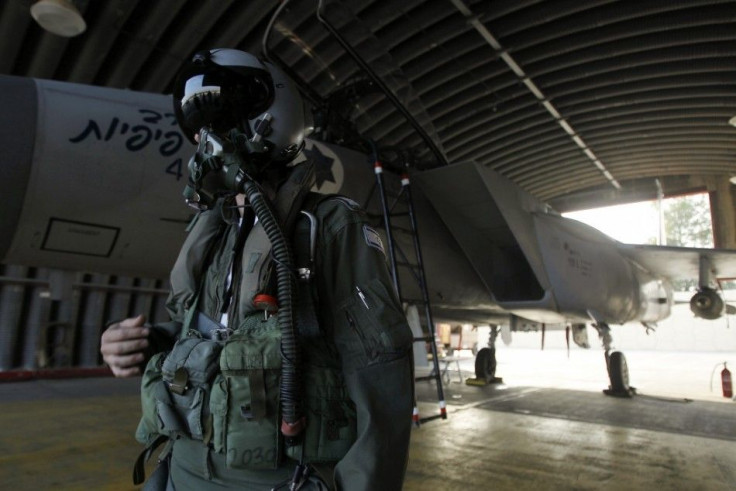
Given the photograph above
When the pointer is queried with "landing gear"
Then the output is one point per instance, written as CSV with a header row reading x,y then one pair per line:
x,y
485,363
618,373
618,370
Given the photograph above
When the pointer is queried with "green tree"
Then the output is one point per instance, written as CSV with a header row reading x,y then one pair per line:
x,y
688,222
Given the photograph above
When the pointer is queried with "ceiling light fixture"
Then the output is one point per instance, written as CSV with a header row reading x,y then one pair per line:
x,y
60,17
732,121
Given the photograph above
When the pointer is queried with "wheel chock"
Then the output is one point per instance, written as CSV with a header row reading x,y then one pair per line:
x,y
626,393
481,382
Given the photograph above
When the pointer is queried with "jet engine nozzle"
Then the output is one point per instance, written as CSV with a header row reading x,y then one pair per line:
x,y
707,304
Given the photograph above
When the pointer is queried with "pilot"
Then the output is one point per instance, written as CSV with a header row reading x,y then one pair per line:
x,y
287,360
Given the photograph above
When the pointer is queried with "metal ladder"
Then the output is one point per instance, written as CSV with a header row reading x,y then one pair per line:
x,y
417,272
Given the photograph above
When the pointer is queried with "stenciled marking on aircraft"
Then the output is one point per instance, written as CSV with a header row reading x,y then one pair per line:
x,y
576,261
140,135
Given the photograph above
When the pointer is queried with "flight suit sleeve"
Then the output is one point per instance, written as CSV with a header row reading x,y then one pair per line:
x,y
362,313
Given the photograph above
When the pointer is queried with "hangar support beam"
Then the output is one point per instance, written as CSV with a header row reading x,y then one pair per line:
x,y
723,212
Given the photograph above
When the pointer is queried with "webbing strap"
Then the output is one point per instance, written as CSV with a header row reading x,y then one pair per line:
x,y
257,409
189,315
139,468
246,225
306,317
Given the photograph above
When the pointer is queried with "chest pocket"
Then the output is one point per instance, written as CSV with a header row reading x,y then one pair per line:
x,y
376,322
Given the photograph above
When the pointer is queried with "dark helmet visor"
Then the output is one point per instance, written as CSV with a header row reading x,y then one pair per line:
x,y
220,97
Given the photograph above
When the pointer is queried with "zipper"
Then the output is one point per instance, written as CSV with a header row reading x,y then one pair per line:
x,y
355,328
370,352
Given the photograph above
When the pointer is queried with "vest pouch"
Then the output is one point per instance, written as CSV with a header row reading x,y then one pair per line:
x,y
147,431
245,401
182,414
331,418
182,400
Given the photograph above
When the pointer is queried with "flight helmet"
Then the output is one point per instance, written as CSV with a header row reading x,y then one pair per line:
x,y
228,89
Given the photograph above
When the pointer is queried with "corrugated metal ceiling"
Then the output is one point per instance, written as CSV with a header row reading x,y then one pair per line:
x,y
563,97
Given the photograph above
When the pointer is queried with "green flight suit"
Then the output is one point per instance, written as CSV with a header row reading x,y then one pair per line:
x,y
363,332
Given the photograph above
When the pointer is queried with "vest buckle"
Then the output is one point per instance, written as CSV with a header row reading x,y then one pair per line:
x,y
179,384
220,334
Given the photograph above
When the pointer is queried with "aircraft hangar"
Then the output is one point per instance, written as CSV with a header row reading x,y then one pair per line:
x,y
581,104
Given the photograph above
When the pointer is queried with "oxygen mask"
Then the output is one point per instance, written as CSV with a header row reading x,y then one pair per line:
x,y
220,165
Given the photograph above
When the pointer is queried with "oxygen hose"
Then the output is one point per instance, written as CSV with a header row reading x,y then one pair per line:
x,y
293,420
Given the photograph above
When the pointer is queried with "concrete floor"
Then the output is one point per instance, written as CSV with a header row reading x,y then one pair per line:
x,y
77,435
482,449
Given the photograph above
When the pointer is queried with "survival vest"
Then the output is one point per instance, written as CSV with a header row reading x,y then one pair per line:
x,y
220,384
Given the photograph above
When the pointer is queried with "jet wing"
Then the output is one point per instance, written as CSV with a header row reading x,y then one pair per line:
x,y
682,262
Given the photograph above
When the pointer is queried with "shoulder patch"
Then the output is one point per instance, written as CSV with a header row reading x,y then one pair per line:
x,y
373,239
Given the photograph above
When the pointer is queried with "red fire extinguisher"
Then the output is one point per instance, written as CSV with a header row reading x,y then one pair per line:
x,y
726,382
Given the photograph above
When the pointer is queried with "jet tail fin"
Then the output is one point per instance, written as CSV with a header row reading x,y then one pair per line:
x,y
490,217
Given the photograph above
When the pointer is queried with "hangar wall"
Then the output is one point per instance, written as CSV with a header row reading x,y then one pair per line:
x,y
51,318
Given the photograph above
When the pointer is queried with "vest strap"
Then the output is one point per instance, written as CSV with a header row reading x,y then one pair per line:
x,y
139,468
307,322
305,243
256,411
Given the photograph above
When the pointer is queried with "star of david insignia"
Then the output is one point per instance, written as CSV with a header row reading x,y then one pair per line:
x,y
322,165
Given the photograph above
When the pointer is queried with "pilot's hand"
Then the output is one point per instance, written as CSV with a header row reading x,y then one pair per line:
x,y
122,346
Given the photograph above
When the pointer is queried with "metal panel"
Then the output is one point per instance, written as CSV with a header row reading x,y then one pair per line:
x,y
54,318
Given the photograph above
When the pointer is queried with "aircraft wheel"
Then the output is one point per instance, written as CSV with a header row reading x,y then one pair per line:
x,y
618,372
485,364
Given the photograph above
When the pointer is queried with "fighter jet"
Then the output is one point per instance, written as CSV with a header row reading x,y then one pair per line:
x,y
92,181
552,270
